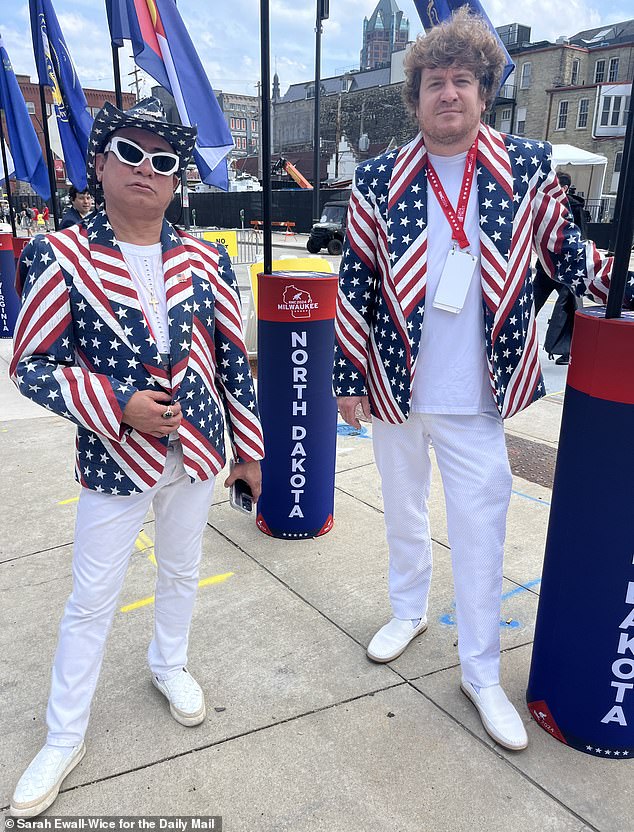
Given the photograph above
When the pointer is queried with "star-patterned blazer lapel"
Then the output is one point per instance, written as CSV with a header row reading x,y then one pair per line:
x,y
407,225
495,197
118,287
180,301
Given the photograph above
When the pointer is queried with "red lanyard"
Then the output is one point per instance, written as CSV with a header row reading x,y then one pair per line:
x,y
455,218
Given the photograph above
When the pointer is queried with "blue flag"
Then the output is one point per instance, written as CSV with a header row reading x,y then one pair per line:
x,y
163,48
25,147
433,12
56,70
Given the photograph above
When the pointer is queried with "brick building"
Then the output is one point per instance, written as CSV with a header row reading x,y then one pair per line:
x,y
95,100
384,32
575,91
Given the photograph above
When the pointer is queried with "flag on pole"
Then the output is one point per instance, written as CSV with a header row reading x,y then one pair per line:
x,y
433,12
26,151
56,70
163,48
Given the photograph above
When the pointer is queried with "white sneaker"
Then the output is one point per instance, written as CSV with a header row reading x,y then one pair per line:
x,y
500,719
393,638
186,698
39,785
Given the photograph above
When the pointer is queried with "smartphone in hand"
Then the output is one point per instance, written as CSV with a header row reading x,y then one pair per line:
x,y
240,496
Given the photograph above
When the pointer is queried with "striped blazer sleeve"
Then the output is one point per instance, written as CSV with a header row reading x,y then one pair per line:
x,y
356,298
233,375
566,257
46,367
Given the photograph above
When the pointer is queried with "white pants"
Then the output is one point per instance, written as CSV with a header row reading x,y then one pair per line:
x,y
106,530
473,463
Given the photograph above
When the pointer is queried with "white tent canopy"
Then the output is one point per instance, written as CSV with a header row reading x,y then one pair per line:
x,y
568,154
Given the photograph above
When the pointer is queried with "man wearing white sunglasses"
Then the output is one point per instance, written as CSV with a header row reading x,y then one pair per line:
x,y
133,331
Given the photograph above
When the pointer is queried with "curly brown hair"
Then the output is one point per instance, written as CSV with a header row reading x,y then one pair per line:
x,y
466,41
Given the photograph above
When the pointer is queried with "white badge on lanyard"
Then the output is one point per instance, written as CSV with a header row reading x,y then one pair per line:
x,y
455,280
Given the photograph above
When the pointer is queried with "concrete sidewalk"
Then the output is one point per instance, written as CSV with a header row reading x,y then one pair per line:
x,y
302,732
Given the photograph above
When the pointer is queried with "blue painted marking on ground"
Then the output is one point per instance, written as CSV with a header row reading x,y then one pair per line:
x,y
528,497
348,430
523,588
449,618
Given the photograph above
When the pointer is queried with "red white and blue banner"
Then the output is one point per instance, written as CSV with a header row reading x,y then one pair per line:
x,y
298,410
581,685
163,48
9,300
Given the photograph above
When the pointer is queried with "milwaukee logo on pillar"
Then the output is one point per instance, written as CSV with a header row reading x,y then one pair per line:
x,y
298,302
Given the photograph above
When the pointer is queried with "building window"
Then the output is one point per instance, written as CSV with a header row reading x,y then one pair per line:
x,y
232,123
30,106
599,72
562,115
520,121
582,113
254,125
574,75
615,111
613,70
525,80
618,160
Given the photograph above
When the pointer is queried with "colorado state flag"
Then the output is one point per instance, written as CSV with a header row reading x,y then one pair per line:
x,y
163,48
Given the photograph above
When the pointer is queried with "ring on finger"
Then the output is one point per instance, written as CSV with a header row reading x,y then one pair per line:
x,y
168,413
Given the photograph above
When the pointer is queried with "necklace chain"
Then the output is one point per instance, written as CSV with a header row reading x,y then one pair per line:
x,y
153,301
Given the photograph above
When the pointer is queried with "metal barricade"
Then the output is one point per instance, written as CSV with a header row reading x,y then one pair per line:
x,y
250,244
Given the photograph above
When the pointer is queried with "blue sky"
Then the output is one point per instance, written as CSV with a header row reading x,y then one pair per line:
x,y
226,34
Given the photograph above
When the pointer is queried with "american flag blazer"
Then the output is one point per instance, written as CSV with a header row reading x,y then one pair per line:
x,y
381,299
82,348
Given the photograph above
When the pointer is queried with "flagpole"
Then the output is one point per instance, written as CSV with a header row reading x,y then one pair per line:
x,y
49,158
624,225
7,179
265,138
117,76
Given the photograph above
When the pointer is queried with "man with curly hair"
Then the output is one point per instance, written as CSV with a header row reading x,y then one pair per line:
x,y
437,340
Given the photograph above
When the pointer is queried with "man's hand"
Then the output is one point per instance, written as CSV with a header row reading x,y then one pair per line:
x,y
347,406
251,473
144,412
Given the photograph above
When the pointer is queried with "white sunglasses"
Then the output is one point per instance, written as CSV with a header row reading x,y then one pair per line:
x,y
130,153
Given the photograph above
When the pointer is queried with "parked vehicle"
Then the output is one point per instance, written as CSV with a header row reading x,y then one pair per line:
x,y
330,230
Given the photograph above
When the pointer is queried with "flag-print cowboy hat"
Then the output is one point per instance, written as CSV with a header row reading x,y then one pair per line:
x,y
147,114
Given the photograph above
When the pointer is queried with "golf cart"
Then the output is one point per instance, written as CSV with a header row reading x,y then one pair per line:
x,y
330,230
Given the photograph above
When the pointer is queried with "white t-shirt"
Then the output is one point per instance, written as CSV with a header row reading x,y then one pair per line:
x,y
451,371
145,264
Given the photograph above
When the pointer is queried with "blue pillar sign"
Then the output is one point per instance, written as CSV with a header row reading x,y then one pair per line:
x,y
581,685
9,300
297,406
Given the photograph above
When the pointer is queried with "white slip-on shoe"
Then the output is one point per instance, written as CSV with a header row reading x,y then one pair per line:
x,y
393,638
500,719
39,785
186,698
